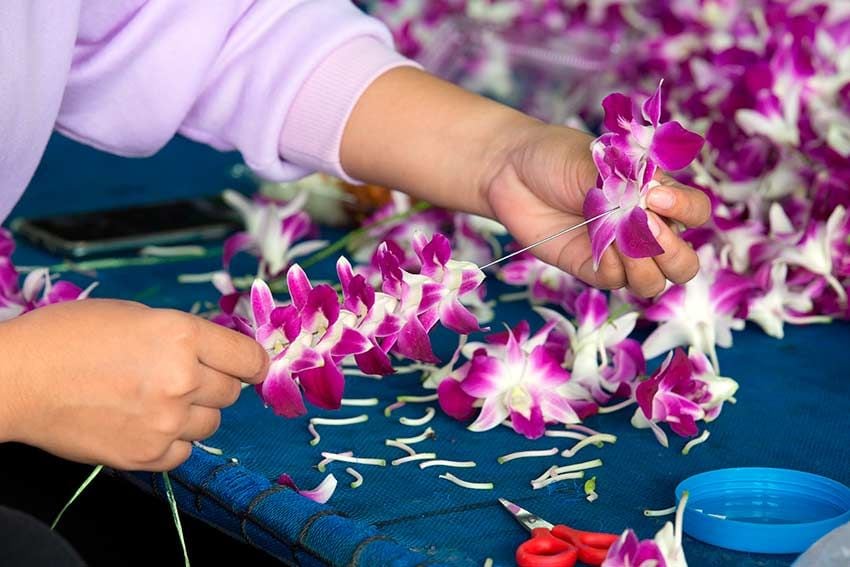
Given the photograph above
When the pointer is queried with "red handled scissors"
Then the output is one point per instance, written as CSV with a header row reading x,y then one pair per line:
x,y
557,546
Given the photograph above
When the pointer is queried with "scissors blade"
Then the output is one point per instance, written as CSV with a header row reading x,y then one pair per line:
x,y
528,520
550,237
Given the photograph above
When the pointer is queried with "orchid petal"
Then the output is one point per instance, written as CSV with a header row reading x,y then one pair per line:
x,y
485,376
493,412
651,108
298,285
454,401
618,108
531,426
280,391
673,147
233,245
323,492
634,238
323,385
262,302
602,231
413,342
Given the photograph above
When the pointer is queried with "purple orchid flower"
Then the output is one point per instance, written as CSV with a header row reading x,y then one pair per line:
x,y
447,282
372,314
603,362
629,551
545,283
820,246
701,313
665,550
520,385
37,290
307,341
626,159
670,395
629,225
778,304
272,229
641,136
681,392
432,295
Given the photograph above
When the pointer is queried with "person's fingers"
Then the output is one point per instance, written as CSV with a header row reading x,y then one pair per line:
x,y
610,274
685,204
231,352
217,389
174,456
202,423
643,276
679,262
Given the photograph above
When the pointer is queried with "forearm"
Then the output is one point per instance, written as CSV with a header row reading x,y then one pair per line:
x,y
430,138
11,394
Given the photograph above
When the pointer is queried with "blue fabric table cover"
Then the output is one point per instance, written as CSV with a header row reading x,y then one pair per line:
x,y
792,412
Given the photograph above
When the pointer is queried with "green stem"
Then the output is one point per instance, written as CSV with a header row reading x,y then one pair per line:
x,y
113,263
172,503
356,233
79,491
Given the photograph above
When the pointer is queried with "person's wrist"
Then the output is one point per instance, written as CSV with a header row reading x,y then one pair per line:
x,y
504,150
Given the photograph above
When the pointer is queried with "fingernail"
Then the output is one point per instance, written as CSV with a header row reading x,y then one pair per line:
x,y
654,225
661,198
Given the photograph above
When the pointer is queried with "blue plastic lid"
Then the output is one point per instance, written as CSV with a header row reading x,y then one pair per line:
x,y
763,510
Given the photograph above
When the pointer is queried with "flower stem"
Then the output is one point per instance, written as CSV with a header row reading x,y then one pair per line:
x,y
694,442
79,491
114,263
616,407
172,503
354,234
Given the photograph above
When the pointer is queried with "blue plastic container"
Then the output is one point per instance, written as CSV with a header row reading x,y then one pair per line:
x,y
763,510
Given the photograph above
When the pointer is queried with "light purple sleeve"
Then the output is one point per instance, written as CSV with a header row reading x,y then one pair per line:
x,y
274,79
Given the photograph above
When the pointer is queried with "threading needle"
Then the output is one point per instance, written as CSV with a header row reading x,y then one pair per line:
x,y
548,238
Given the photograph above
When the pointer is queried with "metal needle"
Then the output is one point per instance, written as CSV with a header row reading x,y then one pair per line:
x,y
552,237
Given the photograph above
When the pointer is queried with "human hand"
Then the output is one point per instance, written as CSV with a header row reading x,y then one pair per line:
x,y
538,188
120,384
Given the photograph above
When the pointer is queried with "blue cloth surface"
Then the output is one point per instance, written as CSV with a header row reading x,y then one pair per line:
x,y
792,412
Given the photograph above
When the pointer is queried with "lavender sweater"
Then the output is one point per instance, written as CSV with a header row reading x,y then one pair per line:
x,y
274,79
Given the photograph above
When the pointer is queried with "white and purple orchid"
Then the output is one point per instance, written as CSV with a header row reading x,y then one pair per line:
x,y
38,288
545,283
519,384
603,362
701,313
777,304
684,390
272,232
665,550
432,295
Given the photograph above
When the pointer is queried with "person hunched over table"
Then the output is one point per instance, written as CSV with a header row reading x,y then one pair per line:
x,y
296,87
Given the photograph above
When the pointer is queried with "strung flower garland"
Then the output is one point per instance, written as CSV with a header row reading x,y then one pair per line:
x,y
309,338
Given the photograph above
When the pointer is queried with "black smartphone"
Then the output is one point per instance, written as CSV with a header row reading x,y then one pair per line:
x,y
101,232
